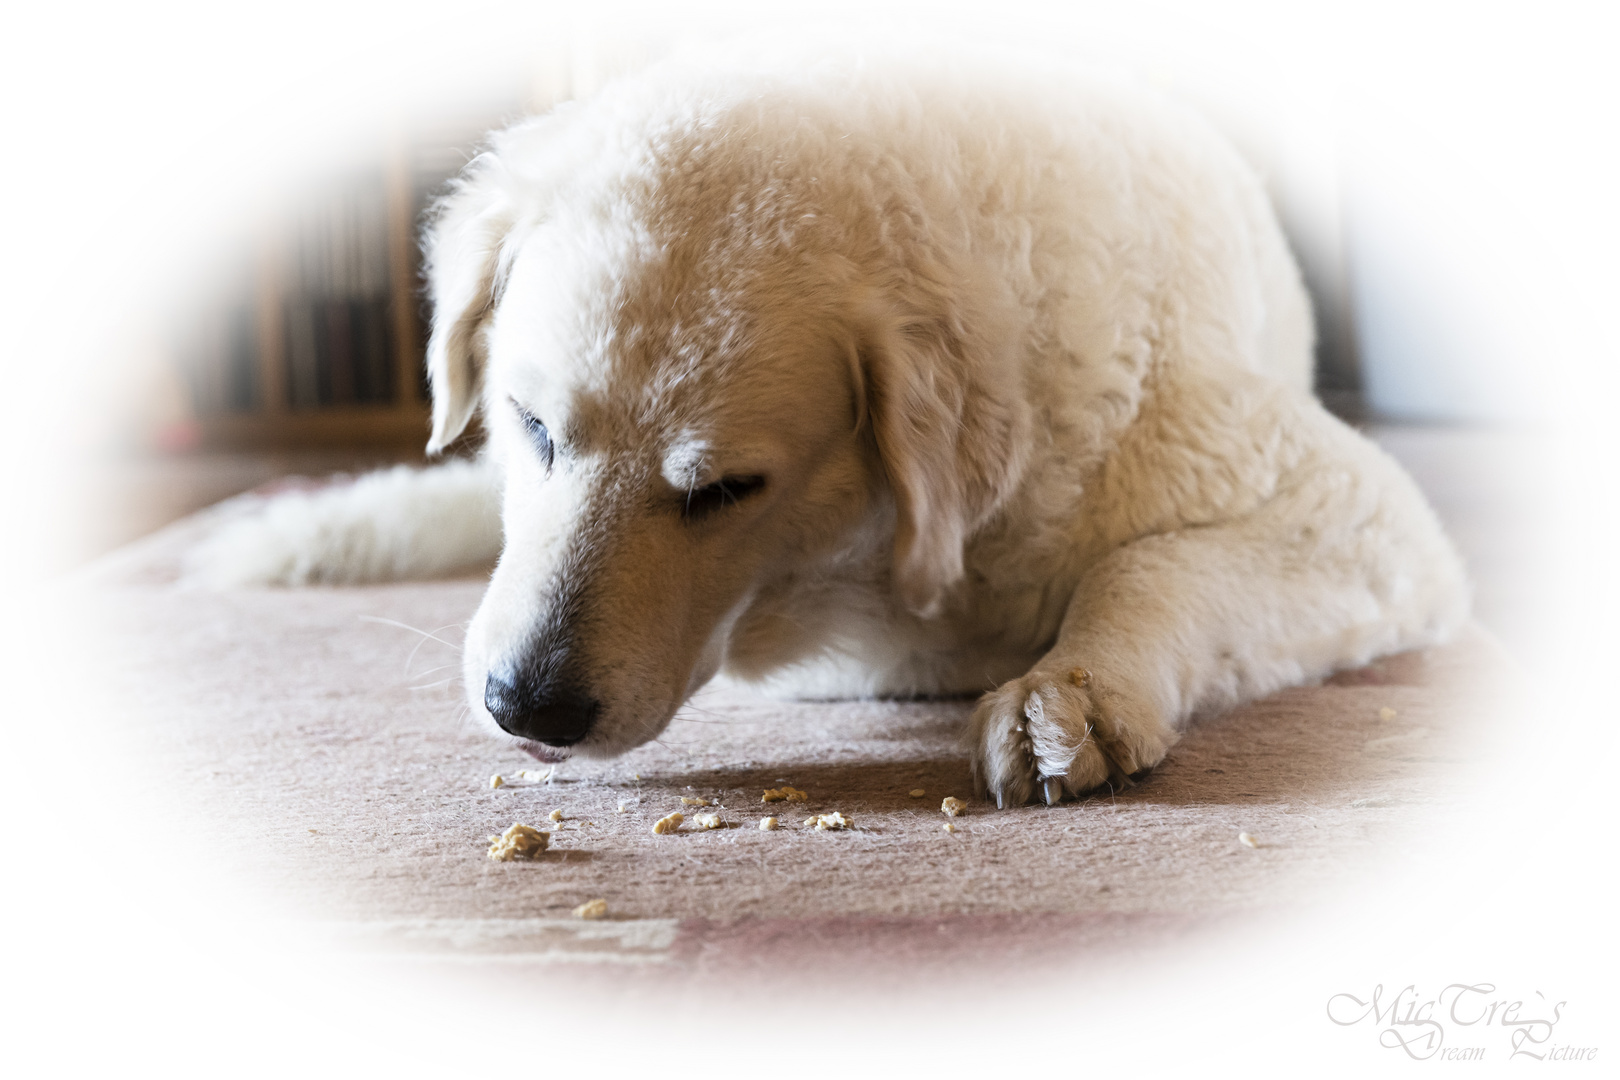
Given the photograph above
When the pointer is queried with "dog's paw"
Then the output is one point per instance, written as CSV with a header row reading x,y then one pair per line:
x,y
1051,734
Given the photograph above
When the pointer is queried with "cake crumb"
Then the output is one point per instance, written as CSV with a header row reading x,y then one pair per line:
x,y
1386,713
950,826
784,794
1080,677
665,825
710,821
1247,841
917,793
952,806
834,820
518,842
767,824
622,809
556,815
694,802
591,909
496,781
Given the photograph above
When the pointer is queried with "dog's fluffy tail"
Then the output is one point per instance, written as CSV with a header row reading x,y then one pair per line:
x,y
396,524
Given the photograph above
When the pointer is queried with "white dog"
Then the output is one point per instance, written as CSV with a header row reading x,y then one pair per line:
x,y
860,378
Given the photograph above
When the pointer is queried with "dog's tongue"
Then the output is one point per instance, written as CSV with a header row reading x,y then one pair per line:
x,y
541,752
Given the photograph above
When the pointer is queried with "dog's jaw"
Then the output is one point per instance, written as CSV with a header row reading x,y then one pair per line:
x,y
550,755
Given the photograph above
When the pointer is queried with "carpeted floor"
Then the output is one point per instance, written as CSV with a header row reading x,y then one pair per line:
x,y
313,740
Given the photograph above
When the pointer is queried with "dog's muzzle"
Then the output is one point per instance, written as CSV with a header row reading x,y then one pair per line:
x,y
556,715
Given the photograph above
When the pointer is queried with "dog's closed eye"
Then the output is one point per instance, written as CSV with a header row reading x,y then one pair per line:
x,y
704,501
537,434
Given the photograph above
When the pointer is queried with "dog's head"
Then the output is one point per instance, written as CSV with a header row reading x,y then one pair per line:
x,y
698,385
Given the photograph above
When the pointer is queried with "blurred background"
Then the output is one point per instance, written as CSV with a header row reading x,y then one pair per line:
x,y
213,261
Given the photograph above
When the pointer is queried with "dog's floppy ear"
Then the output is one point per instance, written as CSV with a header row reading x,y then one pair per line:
x,y
948,441
464,245
470,242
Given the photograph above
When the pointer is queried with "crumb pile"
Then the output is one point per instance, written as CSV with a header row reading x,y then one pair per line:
x,y
521,777
834,820
518,842
592,909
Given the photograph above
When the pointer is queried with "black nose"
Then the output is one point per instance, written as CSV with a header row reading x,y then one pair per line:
x,y
555,715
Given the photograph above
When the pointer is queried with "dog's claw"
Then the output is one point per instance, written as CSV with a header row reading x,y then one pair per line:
x,y
998,799
1053,790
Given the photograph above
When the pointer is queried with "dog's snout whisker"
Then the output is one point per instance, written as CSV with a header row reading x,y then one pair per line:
x,y
425,637
435,683
709,716
426,634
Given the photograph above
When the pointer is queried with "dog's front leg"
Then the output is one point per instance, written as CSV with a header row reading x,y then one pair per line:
x,y
1327,575
1095,709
